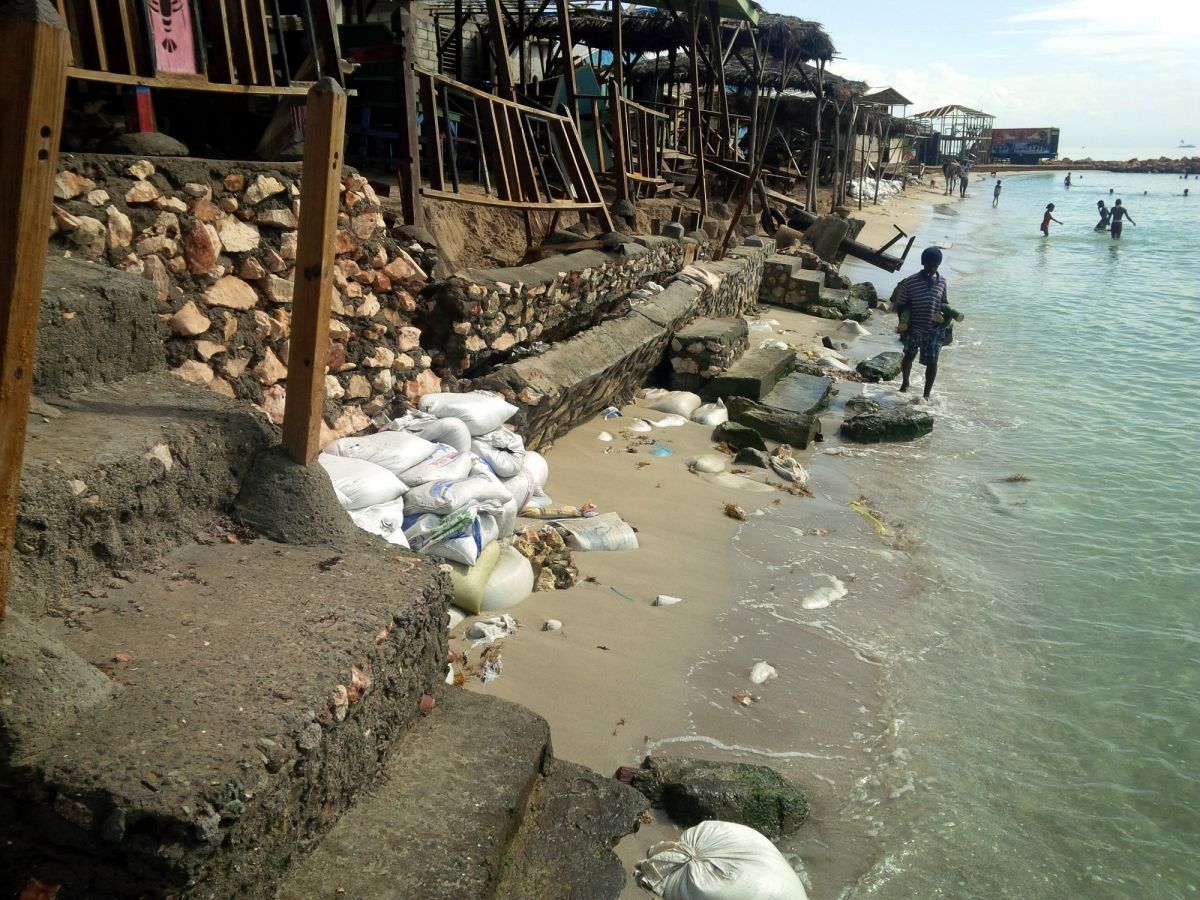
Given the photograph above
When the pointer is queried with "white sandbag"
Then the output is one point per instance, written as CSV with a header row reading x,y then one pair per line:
x,y
604,532
444,464
481,411
708,463
450,431
681,403
360,483
521,487
396,451
538,500
510,582
460,548
537,468
502,450
442,497
425,530
719,861
385,520
711,414
646,396
469,582
489,528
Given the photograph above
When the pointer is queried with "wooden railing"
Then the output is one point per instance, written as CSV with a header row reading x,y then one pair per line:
x,y
522,156
230,46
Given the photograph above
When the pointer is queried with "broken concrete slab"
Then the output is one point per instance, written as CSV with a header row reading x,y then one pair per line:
x,y
898,423
797,429
740,437
837,303
881,367
801,393
754,375
704,349
695,790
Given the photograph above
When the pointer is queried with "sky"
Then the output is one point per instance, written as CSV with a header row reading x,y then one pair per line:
x,y
1111,75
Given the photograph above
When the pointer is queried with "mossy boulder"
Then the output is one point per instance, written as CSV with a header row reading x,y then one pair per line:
x,y
695,790
881,367
900,423
740,436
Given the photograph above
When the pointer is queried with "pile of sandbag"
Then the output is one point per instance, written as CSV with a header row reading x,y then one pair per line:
x,y
448,481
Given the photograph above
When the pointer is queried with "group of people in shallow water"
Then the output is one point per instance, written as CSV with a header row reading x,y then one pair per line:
x,y
1111,220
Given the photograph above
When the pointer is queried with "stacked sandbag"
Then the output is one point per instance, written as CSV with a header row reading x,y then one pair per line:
x,y
448,481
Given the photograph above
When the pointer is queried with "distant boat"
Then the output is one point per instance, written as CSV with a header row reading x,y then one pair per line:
x,y
1183,146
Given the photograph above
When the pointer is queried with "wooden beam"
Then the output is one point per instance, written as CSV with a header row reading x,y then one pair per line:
x,y
566,42
189,83
325,128
488,200
620,144
409,157
33,84
499,40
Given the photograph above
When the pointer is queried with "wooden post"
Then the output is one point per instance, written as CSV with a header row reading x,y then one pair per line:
x,y
325,129
33,85
620,144
409,162
567,42
499,38
697,119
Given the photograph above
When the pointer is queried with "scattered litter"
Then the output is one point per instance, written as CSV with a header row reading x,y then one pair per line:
x,y
611,412
786,466
449,673
735,512
640,465
604,436
824,596
621,593
711,414
660,450
860,507
666,600
488,631
743,699
670,421
709,463
604,532
561,512
552,625
762,671
490,664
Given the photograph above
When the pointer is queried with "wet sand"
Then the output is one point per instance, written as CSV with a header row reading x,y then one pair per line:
x,y
624,678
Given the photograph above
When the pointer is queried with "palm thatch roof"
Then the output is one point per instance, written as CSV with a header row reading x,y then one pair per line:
x,y
803,76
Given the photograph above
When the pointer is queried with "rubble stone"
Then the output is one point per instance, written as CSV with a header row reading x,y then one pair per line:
x,y
202,249
231,292
264,186
237,236
188,321
142,192
120,229
270,369
194,372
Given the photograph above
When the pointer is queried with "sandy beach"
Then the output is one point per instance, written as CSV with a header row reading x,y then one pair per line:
x,y
625,678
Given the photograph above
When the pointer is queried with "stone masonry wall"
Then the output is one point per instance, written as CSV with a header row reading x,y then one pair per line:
x,y
478,316
217,241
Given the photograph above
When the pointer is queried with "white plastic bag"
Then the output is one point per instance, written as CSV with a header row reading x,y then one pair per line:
x,y
537,468
359,483
502,450
442,497
681,403
481,411
385,520
603,532
460,548
396,451
510,582
719,861
444,464
711,414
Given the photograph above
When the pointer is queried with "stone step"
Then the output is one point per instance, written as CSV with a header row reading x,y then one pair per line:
x,y
473,805
116,475
259,688
96,325
704,348
754,375
800,393
838,304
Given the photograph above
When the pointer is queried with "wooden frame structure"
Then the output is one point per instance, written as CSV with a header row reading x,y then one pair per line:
x,y
961,132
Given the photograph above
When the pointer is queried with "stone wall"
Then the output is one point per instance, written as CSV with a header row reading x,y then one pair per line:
x,y
477,317
217,241
603,365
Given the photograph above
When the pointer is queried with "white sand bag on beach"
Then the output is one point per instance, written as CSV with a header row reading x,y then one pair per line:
x,y
719,861
762,671
396,451
449,431
359,483
469,582
646,396
762,324
708,463
444,464
641,426
521,487
773,344
537,468
604,532
510,582
443,497
738,483
502,450
385,520
481,411
463,547
681,403
711,414
852,328
670,421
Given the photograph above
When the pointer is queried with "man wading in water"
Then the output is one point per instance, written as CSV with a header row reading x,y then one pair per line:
x,y
924,296
1118,213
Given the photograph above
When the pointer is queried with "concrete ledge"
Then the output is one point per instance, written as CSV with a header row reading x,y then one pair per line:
x,y
754,375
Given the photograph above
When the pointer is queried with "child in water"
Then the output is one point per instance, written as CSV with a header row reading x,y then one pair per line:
x,y
1048,218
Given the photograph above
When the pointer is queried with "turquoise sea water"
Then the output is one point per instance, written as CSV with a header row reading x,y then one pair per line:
x,y
1044,688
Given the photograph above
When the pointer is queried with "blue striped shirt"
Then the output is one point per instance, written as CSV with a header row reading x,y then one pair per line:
x,y
924,296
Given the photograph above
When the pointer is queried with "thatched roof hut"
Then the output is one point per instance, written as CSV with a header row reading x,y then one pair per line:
x,y
803,77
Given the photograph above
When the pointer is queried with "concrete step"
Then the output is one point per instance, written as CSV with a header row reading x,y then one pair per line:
x,y
473,805
754,375
96,325
117,475
259,688
795,291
